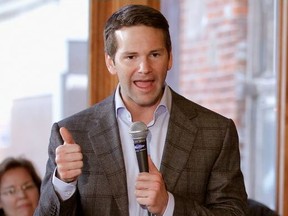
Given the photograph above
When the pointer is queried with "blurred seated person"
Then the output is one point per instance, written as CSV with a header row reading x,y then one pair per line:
x,y
19,187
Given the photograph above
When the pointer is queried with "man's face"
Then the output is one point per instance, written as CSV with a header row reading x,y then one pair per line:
x,y
141,63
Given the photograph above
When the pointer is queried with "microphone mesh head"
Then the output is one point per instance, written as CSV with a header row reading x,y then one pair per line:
x,y
138,130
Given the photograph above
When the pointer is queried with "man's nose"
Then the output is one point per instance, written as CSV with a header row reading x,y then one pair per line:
x,y
144,66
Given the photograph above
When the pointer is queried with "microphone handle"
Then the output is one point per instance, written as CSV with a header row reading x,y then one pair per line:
x,y
142,159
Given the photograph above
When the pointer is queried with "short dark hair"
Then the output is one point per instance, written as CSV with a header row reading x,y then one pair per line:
x,y
20,162
132,15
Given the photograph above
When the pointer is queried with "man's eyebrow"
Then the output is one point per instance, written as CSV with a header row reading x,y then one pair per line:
x,y
128,53
158,50
136,53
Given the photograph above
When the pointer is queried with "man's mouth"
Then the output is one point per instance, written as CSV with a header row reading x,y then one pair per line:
x,y
143,84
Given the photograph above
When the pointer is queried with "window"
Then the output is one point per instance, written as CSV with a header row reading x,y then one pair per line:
x,y
224,59
44,54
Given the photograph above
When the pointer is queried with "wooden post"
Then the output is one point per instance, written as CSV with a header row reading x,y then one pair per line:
x,y
282,135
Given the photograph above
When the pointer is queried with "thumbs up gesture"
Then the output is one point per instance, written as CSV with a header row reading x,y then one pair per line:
x,y
69,158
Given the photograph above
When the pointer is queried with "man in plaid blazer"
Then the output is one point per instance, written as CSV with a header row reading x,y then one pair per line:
x,y
194,159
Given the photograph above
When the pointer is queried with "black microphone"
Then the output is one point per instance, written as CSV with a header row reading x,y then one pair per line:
x,y
139,132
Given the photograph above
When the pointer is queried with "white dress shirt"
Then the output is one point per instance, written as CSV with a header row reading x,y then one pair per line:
x,y
155,145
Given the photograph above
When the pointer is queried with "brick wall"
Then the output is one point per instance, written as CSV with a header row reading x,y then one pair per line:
x,y
212,54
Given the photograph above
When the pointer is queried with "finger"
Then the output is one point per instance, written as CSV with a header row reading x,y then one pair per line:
x,y
67,153
69,175
77,165
66,136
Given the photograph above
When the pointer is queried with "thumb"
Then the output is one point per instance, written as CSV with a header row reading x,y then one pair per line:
x,y
66,136
152,167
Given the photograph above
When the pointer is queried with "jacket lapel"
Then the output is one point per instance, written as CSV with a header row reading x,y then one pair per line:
x,y
181,135
107,147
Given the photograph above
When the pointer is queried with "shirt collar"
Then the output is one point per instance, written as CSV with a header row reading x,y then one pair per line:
x,y
165,102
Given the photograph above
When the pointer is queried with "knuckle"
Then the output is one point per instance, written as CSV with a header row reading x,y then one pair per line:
x,y
59,149
59,158
78,148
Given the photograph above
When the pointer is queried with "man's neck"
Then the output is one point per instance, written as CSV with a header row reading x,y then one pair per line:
x,y
144,114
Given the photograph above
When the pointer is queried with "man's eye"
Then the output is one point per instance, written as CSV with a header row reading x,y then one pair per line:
x,y
130,57
155,54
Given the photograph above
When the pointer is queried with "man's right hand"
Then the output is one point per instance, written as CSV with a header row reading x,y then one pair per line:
x,y
69,158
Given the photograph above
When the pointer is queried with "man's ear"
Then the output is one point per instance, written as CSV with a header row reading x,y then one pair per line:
x,y
170,63
110,64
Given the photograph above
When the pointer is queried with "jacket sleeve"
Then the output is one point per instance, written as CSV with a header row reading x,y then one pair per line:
x,y
49,203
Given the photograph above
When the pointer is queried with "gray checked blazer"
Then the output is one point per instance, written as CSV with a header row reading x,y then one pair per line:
x,y
200,164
